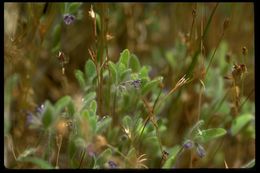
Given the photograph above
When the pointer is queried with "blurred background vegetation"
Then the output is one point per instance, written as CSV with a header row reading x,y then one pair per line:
x,y
162,35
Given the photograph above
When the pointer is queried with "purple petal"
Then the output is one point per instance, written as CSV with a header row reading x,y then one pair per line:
x,y
188,144
68,18
201,151
112,164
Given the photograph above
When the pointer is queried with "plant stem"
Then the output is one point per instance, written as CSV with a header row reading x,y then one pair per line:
x,y
210,61
59,143
82,157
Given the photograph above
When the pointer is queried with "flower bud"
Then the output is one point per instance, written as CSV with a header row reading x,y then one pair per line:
x,y
201,151
188,144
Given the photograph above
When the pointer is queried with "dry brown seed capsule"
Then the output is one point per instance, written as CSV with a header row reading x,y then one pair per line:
x,y
226,23
244,51
194,12
62,127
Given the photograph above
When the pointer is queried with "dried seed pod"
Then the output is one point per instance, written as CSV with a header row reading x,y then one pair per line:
x,y
228,57
62,127
244,51
226,23
194,12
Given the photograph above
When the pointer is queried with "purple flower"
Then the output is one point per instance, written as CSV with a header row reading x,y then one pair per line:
x,y
188,144
112,164
33,121
40,109
29,118
68,18
90,150
136,83
200,151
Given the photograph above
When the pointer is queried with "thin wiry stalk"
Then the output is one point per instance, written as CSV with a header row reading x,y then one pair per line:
x,y
213,55
59,143
82,157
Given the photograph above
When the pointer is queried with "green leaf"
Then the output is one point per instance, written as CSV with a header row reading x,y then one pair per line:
x,y
62,103
112,68
134,63
90,69
80,77
98,23
74,7
131,155
125,73
89,97
170,58
93,106
103,124
80,142
103,157
143,73
240,122
48,115
37,161
124,57
127,121
151,85
71,108
169,163
209,134
56,37
9,85
121,68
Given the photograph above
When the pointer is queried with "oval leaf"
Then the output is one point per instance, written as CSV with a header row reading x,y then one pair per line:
x,y
90,70
103,124
80,77
240,122
150,85
112,68
124,57
209,134
37,161
62,103
48,115
134,63
103,157
89,97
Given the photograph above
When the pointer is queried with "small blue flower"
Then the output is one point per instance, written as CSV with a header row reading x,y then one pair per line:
x,y
112,164
33,121
40,109
90,150
136,83
188,144
68,18
29,118
201,151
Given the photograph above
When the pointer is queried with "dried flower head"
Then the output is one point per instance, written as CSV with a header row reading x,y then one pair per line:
x,y
68,18
244,51
194,12
91,12
226,23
